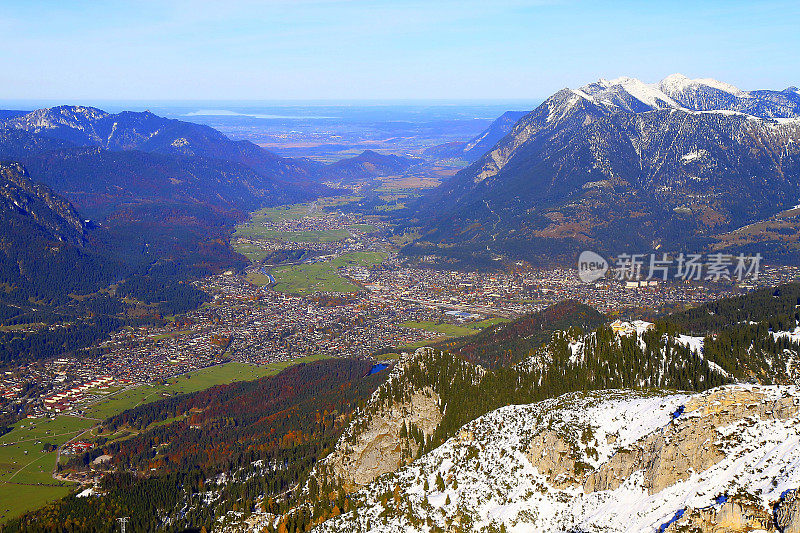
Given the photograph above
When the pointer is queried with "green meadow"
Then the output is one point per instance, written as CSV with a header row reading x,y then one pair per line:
x,y
26,481
309,278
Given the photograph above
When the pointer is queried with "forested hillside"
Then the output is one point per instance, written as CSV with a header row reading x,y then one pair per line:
x,y
507,343
756,306
229,448
663,357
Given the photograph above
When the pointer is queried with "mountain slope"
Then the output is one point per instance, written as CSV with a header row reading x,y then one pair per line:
x,y
53,216
99,181
498,129
146,132
473,149
16,144
42,253
623,165
368,164
613,461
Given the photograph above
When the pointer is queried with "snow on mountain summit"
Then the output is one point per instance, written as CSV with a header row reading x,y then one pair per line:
x,y
678,83
677,91
627,93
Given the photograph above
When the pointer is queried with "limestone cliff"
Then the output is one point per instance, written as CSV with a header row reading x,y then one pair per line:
x,y
381,440
727,460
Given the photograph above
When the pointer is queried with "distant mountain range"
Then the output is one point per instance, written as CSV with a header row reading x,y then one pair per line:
x,y
102,160
145,132
368,164
624,165
93,198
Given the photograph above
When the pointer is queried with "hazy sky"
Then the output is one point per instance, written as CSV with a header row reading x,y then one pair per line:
x,y
406,49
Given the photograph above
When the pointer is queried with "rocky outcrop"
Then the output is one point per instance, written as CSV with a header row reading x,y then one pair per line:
x,y
380,447
787,513
687,445
742,513
556,459
738,515
665,457
690,444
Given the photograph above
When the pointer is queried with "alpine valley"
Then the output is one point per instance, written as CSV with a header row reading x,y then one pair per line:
x,y
200,333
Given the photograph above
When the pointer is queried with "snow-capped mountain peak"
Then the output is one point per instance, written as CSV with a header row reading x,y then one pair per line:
x,y
627,93
680,92
678,84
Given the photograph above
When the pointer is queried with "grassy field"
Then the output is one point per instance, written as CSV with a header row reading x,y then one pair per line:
x,y
451,330
414,345
257,227
447,330
191,382
26,481
257,231
252,252
309,278
257,278
483,324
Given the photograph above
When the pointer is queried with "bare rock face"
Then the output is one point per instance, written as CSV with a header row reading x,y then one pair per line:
x,y
379,447
666,458
689,445
734,516
741,513
555,458
787,513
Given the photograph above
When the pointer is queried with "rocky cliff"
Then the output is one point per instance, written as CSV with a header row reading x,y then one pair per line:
x,y
724,460
382,439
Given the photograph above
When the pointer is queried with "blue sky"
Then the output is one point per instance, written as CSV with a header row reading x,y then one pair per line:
x,y
404,49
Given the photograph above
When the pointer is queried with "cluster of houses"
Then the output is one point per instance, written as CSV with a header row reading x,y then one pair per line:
x,y
64,400
77,447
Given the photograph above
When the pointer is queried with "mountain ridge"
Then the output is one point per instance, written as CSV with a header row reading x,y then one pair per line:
x,y
147,132
619,165
474,148
368,164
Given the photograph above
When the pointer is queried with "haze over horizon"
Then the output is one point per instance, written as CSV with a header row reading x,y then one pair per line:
x,y
399,50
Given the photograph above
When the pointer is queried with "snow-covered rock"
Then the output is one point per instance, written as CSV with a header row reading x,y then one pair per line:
x,y
724,460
